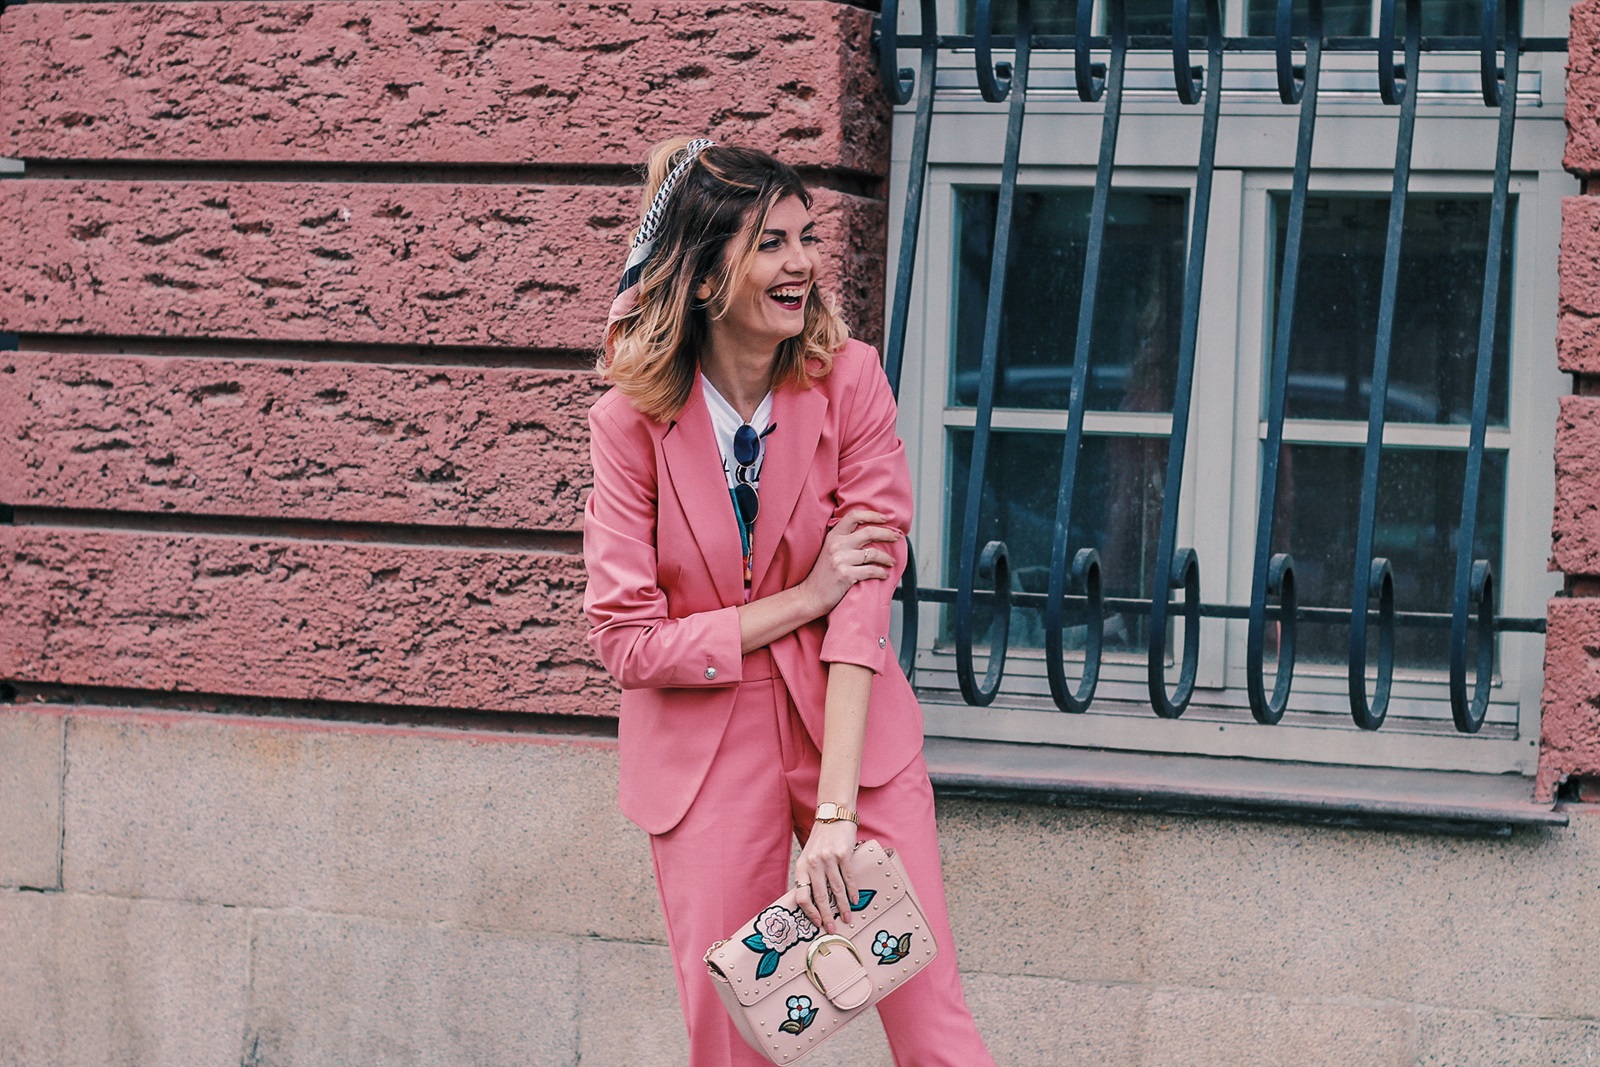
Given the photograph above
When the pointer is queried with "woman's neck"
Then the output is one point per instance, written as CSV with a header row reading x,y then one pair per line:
x,y
743,378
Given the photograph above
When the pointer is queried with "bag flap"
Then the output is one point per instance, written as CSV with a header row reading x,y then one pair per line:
x,y
768,951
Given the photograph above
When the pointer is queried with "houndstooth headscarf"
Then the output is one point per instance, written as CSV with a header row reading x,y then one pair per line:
x,y
644,239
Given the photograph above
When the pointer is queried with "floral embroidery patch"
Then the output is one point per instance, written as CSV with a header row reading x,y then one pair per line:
x,y
801,1015
889,948
777,930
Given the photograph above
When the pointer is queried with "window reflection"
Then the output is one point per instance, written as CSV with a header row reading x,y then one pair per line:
x,y
1116,509
1052,17
1137,310
1435,345
1418,529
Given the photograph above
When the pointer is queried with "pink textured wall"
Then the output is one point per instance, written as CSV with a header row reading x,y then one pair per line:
x,y
294,420
1570,730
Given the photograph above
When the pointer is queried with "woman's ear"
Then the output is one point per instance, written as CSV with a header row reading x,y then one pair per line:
x,y
702,292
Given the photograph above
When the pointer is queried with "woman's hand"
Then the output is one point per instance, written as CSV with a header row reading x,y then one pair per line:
x,y
850,555
824,866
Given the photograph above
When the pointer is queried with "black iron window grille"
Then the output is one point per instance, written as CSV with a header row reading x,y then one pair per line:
x,y
1131,262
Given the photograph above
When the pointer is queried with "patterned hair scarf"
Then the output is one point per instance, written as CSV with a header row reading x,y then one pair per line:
x,y
644,240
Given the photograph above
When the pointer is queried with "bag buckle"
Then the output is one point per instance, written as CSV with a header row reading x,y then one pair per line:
x,y
822,947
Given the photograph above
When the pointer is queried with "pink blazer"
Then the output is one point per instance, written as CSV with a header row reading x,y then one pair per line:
x,y
661,544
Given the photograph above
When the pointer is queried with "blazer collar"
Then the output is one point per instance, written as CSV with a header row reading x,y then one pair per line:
x,y
798,415
695,464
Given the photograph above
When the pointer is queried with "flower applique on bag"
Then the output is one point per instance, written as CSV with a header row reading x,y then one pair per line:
x,y
789,987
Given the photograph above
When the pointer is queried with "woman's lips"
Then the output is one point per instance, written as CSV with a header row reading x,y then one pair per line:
x,y
789,297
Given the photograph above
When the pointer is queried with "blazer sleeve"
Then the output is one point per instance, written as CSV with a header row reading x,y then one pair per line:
x,y
638,643
872,474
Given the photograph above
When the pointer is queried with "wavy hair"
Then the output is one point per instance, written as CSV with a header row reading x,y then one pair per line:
x,y
709,232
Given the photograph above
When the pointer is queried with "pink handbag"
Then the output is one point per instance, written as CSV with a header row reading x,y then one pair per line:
x,y
789,987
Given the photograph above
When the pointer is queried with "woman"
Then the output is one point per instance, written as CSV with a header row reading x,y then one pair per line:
x,y
743,540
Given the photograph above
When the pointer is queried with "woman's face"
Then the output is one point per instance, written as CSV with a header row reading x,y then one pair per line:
x,y
767,305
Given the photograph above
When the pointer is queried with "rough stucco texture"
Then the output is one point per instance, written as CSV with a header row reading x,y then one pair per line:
x,y
504,265
1578,322
547,83
433,445
431,627
1583,90
1569,739
1575,537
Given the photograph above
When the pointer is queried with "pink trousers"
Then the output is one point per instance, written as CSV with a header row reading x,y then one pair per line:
x,y
729,858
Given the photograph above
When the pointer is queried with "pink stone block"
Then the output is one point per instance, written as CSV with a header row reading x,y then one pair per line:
x,y
1569,741
1575,533
1578,316
303,620
1583,90
351,442
504,265
552,83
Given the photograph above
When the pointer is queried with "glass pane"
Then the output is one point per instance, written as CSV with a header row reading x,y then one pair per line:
x,y
1340,18
1435,345
1116,509
1419,520
1137,311
1056,17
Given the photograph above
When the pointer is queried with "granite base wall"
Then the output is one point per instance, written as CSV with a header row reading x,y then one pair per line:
x,y
192,889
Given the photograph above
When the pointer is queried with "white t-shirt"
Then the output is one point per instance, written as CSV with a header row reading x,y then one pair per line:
x,y
725,420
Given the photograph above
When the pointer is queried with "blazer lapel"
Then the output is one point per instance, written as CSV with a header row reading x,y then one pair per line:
x,y
798,415
695,464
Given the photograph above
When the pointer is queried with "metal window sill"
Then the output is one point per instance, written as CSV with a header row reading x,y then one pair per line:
x,y
1455,802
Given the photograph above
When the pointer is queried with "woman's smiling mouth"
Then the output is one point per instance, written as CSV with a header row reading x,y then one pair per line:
x,y
789,297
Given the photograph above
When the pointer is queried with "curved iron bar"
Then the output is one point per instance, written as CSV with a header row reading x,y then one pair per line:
x,y
917,176
1090,77
1055,651
1274,574
1183,566
1373,576
1474,582
994,79
1087,581
908,615
968,565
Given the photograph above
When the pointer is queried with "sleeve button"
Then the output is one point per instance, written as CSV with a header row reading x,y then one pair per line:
x,y
711,674
883,642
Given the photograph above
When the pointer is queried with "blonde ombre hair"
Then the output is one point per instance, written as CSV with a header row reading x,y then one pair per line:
x,y
709,232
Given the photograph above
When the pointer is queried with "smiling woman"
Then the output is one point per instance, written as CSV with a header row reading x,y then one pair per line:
x,y
760,704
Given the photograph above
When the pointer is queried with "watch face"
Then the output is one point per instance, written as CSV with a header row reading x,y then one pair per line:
x,y
827,811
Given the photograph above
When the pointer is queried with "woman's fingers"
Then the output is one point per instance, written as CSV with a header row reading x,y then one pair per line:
x,y
841,893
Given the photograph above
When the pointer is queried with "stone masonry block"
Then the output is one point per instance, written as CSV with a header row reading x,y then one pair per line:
x,y
549,83
512,832
307,620
338,990
1569,732
1583,90
30,798
1069,1024
418,264
1452,1038
1578,313
1484,924
1221,1028
352,442
1575,532
121,983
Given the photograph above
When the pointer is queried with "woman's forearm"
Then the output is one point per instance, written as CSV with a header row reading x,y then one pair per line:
x,y
763,621
844,733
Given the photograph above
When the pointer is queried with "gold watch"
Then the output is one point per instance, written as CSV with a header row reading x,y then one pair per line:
x,y
831,812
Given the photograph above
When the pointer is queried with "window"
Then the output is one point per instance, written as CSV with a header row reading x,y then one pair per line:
x,y
1122,462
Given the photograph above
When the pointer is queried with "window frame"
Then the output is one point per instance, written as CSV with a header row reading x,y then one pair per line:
x,y
1219,523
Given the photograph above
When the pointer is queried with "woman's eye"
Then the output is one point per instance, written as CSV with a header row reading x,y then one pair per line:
x,y
811,239
769,246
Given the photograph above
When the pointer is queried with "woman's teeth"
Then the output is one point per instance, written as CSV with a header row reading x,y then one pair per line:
x,y
788,297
